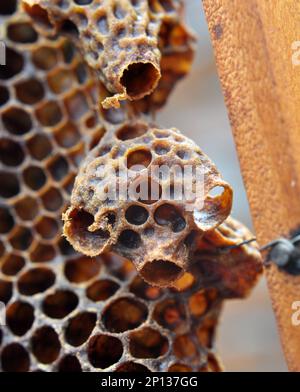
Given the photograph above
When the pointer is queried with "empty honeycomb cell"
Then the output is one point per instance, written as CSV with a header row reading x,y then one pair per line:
x,y
17,121
148,343
30,91
35,280
27,208
124,314
150,191
65,247
82,269
60,80
104,351
162,148
130,239
179,367
128,132
14,64
136,215
14,358
132,367
143,290
101,290
21,32
182,154
76,105
80,222
59,304
69,364
184,347
205,332
52,199
79,328
12,264
113,116
139,159
198,303
39,15
45,57
6,220
161,272
49,114
168,215
22,238
47,227
39,147
42,253
184,283
34,177
58,168
11,153
170,314
19,317
45,345
5,291
4,95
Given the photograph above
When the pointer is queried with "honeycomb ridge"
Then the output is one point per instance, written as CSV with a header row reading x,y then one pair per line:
x,y
130,44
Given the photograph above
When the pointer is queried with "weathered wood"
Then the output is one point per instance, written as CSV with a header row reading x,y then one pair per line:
x,y
253,47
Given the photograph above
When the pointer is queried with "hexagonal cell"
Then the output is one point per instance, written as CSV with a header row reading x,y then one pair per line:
x,y
44,57
101,290
15,358
47,227
139,159
45,345
59,304
184,283
35,280
148,343
39,146
184,347
10,186
82,269
22,238
34,177
6,220
58,168
42,253
14,64
69,364
143,290
49,114
124,314
67,136
169,215
198,303
19,317
27,208
12,264
76,105
5,291
136,215
52,199
170,314
104,351
11,153
131,131
60,80
80,328
4,95
30,91
21,32
130,239
16,120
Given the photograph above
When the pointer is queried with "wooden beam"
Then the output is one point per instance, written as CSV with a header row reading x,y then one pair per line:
x,y
253,41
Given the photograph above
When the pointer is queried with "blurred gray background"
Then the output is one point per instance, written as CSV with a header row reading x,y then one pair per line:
x,y
248,339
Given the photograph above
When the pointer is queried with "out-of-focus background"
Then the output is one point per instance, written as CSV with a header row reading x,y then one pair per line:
x,y
248,339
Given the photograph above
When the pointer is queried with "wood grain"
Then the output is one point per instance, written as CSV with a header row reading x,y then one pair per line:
x,y
253,47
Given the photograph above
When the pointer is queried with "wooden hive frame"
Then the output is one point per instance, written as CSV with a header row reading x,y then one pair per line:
x,y
253,43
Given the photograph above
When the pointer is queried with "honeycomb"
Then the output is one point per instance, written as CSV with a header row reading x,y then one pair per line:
x,y
148,223
133,45
66,311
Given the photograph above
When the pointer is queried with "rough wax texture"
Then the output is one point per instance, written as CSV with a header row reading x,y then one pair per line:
x,y
148,223
130,44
